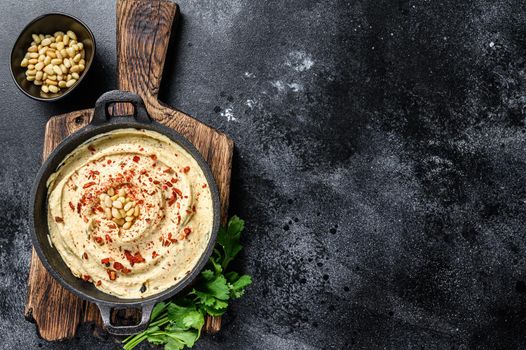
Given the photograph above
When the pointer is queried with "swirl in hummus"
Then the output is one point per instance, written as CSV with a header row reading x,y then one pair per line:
x,y
154,236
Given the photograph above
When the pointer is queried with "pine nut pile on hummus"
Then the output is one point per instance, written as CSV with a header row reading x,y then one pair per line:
x,y
130,211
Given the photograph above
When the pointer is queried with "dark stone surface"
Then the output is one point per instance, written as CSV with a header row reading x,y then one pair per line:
x,y
378,164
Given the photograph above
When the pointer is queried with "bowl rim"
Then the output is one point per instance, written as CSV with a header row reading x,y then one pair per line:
x,y
88,62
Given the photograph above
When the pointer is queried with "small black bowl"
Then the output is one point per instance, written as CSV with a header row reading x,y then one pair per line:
x,y
49,24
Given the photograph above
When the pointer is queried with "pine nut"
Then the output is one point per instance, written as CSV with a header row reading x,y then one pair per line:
x,y
56,69
108,202
77,58
62,84
42,51
52,77
136,211
111,191
129,213
33,49
39,66
39,75
53,89
33,55
115,213
75,69
71,52
24,63
129,217
60,45
47,60
127,207
45,88
37,82
41,58
117,204
122,192
127,225
30,78
58,33
65,39
67,63
71,35
31,72
49,69
46,42
80,45
51,53
51,82
56,61
36,38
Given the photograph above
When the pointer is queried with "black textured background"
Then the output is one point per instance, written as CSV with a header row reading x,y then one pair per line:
x,y
379,165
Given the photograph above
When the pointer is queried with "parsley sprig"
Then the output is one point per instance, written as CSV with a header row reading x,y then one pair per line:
x,y
177,323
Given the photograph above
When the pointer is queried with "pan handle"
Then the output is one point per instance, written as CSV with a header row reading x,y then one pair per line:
x,y
105,313
101,115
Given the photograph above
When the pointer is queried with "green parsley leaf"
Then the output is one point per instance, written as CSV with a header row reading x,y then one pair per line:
x,y
237,288
216,288
187,338
228,239
186,317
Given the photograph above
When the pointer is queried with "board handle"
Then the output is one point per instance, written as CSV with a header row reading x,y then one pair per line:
x,y
143,35
105,313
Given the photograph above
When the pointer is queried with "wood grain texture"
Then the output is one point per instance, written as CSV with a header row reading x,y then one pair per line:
x,y
143,33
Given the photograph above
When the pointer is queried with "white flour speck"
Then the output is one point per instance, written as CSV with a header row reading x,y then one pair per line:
x,y
299,60
281,86
491,44
228,114
278,84
251,103
295,87
249,75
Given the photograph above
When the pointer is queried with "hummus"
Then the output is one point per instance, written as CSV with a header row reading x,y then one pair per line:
x,y
130,211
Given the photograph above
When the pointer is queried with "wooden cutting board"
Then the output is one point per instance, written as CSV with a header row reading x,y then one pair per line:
x,y
143,33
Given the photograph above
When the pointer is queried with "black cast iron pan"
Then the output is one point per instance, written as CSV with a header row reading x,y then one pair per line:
x,y
51,259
